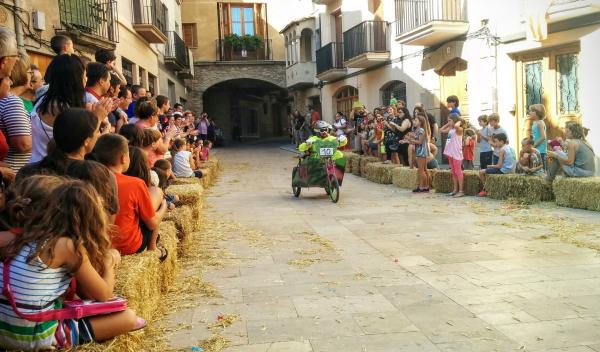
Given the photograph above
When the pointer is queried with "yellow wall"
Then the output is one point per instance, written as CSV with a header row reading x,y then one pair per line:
x,y
204,14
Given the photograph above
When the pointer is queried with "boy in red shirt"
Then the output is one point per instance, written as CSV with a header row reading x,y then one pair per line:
x,y
137,222
470,138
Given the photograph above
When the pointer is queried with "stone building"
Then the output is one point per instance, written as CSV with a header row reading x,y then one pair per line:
x,y
496,56
145,34
240,64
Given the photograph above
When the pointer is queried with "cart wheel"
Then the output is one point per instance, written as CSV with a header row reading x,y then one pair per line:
x,y
334,189
296,191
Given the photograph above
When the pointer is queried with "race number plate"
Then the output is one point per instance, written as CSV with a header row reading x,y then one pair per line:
x,y
325,151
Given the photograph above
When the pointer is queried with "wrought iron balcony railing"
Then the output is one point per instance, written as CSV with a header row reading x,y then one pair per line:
x,y
149,12
227,52
330,56
366,37
411,14
96,18
176,53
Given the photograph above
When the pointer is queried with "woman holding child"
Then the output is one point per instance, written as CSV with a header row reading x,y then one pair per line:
x,y
577,160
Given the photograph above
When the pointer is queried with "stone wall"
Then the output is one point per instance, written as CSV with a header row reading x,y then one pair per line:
x,y
209,74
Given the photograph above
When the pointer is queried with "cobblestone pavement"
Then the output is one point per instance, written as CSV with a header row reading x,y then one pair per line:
x,y
387,270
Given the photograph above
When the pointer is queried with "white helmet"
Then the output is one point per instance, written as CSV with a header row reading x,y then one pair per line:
x,y
342,139
320,125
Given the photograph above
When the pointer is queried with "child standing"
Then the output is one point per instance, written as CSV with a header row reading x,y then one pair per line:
x,y
506,161
421,139
494,120
58,244
537,114
469,140
454,152
530,159
184,164
486,152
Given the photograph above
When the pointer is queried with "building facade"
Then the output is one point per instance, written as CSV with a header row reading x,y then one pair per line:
x,y
495,56
145,35
240,63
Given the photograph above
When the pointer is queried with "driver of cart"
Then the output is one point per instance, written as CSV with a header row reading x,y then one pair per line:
x,y
310,148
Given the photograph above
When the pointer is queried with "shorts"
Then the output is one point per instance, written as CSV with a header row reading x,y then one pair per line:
x,y
198,173
432,164
493,171
76,332
372,145
146,236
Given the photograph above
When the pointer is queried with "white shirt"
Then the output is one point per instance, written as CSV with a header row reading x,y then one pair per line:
x,y
181,164
41,134
338,127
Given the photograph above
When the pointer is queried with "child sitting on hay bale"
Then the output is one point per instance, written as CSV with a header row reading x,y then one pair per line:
x,y
530,159
57,245
184,161
506,160
140,213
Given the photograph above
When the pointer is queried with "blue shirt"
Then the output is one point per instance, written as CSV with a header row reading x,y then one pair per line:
x,y
130,109
455,111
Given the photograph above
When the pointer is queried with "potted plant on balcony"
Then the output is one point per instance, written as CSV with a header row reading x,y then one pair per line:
x,y
242,44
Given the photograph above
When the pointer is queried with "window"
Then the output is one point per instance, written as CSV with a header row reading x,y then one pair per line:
x,y
242,19
345,98
152,84
172,93
568,85
397,89
189,35
127,67
533,83
143,77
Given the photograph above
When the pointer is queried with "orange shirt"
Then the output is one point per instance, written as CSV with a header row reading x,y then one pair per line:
x,y
135,205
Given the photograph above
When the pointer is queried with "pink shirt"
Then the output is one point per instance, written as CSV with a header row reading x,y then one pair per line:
x,y
454,148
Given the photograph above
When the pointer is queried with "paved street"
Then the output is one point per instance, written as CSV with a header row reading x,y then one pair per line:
x,y
386,270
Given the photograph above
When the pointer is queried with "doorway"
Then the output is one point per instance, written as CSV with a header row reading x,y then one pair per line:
x,y
453,81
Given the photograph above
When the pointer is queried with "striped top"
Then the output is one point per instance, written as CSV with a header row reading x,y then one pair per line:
x,y
14,122
36,288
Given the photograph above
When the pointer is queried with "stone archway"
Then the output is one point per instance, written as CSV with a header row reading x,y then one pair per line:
x,y
208,74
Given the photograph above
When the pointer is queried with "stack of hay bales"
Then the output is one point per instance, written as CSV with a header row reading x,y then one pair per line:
x,y
405,177
192,195
578,192
364,161
142,278
349,159
526,189
379,173
355,165
442,182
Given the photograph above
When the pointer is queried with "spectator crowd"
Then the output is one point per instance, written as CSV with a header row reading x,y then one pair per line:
x,y
85,164
396,136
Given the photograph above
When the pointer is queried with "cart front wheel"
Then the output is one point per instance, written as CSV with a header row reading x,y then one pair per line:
x,y
296,191
334,189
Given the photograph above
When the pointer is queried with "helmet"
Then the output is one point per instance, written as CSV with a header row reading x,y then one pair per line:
x,y
320,125
342,139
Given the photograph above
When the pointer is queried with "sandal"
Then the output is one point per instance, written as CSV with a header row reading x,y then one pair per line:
x,y
164,253
140,323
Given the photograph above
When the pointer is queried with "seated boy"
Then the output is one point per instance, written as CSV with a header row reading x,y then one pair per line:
x,y
137,222
530,159
506,163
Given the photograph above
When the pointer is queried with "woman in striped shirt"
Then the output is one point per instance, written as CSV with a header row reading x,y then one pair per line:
x,y
67,240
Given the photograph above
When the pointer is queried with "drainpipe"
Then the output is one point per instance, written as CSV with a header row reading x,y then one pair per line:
x,y
18,25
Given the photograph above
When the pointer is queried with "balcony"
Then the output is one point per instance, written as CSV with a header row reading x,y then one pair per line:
x,y
330,62
176,53
90,23
366,44
562,10
149,20
227,52
187,72
300,75
429,22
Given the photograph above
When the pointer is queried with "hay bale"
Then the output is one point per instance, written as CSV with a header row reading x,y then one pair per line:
x,y
578,192
139,279
185,223
380,173
472,183
355,165
526,189
349,158
191,194
169,240
364,161
405,177
442,181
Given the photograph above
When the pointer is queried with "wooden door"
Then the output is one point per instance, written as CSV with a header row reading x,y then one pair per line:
x,y
453,81
548,77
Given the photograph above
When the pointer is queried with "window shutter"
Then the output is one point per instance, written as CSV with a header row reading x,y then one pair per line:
x,y
189,34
